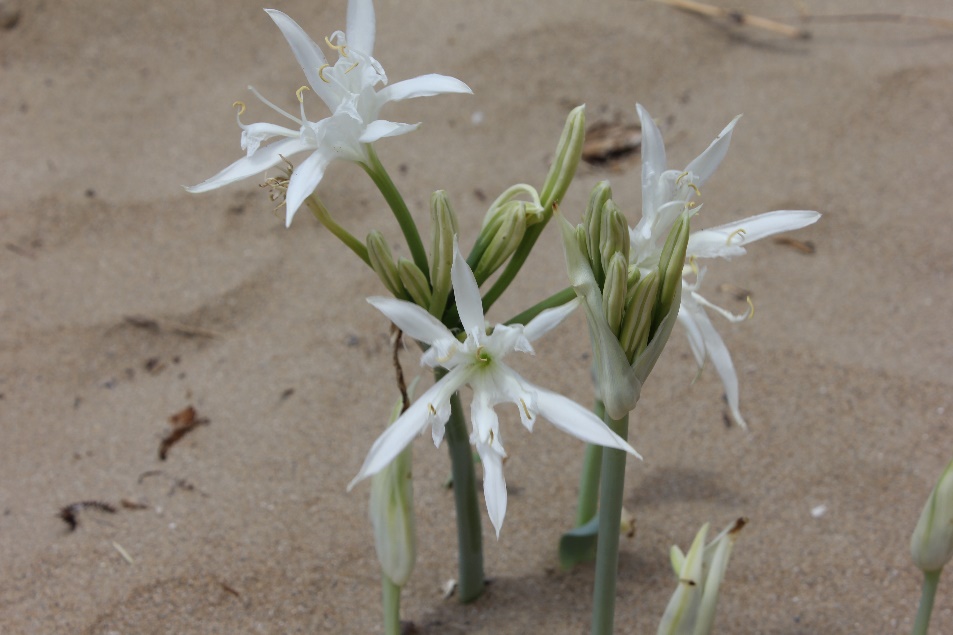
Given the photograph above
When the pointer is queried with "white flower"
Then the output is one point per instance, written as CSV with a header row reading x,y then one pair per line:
x,y
478,362
665,195
348,89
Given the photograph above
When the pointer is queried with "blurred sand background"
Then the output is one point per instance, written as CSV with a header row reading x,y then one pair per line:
x,y
124,299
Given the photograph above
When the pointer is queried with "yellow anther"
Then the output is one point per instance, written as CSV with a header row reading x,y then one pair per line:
x,y
698,192
300,93
340,48
681,176
433,411
241,106
525,409
750,307
352,67
321,74
691,204
693,265
738,232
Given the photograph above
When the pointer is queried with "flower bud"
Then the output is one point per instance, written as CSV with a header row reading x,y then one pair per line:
x,y
505,240
671,263
383,263
567,157
637,319
614,236
592,220
414,281
932,541
443,227
392,515
614,291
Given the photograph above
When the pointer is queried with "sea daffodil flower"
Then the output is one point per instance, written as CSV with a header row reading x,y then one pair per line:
x,y
477,361
348,90
668,193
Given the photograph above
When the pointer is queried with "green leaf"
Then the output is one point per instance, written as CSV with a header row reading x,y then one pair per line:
x,y
579,544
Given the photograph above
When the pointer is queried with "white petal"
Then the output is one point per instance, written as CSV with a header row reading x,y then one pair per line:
x,y
266,157
707,162
423,86
467,294
383,128
549,319
361,26
254,134
695,341
304,180
308,54
714,242
721,359
494,485
400,433
653,161
411,319
570,417
510,387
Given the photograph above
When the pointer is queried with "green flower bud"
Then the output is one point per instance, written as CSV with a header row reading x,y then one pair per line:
x,y
414,281
671,264
592,220
383,263
637,320
614,291
614,235
505,240
567,157
392,515
932,541
443,227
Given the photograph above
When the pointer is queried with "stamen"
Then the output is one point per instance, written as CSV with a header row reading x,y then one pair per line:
x,y
241,106
698,192
750,308
274,107
693,264
321,73
525,409
433,411
738,232
300,93
353,66
340,48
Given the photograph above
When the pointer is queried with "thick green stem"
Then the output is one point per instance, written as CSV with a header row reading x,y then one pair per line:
x,y
589,481
610,513
469,530
930,581
324,217
557,299
397,205
390,600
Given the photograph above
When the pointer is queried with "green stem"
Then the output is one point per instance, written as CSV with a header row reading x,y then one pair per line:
x,y
397,205
557,299
469,529
610,514
589,481
513,266
390,599
324,217
930,581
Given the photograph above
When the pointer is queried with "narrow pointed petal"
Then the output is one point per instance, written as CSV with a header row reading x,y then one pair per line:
x,y
304,180
400,433
705,164
727,240
308,54
411,319
695,341
361,26
382,128
423,86
653,161
494,485
549,319
265,157
721,359
467,294
571,418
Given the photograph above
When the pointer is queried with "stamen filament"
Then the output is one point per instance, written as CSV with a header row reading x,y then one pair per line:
x,y
340,48
738,232
274,107
321,74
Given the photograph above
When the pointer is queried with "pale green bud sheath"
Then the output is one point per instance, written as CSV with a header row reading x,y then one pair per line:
x,y
507,238
931,545
614,291
592,220
443,227
414,281
567,157
382,262
637,321
671,264
614,237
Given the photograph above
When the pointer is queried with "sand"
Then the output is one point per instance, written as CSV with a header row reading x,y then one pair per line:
x,y
124,300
